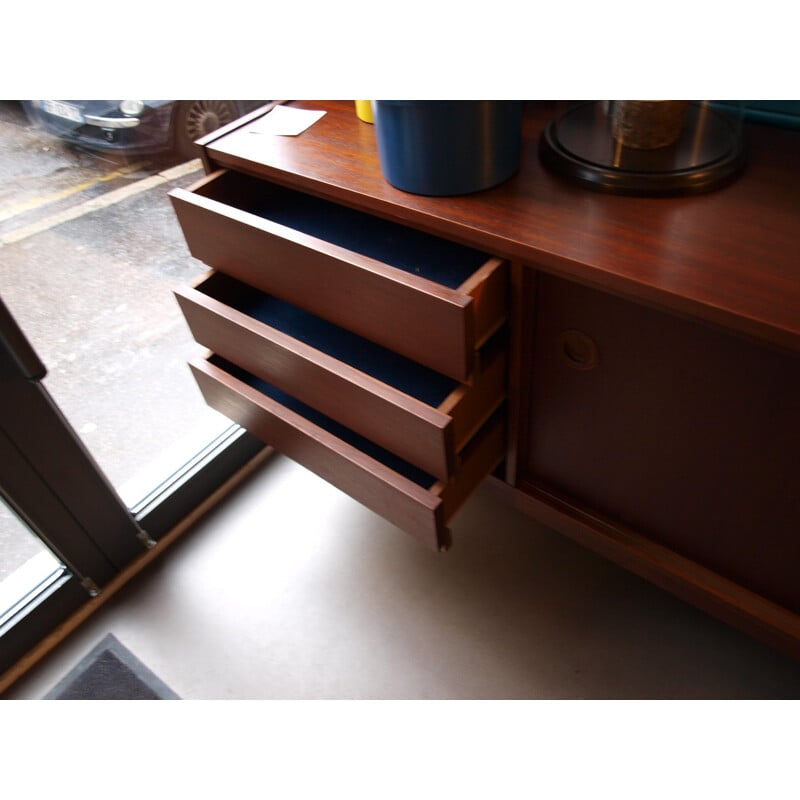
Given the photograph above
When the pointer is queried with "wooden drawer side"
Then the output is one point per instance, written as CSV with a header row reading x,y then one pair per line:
x,y
489,289
416,503
399,500
428,298
483,454
430,324
415,431
470,406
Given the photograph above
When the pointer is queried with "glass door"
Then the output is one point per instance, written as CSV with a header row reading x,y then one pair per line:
x,y
65,532
90,252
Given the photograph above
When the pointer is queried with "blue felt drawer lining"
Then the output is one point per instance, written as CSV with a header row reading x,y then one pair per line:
x,y
414,379
446,263
363,444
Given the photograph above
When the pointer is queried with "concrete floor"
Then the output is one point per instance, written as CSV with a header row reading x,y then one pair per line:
x,y
290,589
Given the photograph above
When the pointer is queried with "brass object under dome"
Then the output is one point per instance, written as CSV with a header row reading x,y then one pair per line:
x,y
645,147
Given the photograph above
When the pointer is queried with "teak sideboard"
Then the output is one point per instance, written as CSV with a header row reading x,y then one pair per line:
x,y
625,370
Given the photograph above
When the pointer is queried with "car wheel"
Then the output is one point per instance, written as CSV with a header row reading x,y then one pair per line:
x,y
193,119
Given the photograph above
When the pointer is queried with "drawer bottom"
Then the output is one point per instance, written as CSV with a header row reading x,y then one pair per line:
x,y
416,502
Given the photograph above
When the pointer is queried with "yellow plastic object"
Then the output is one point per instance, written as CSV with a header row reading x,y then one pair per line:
x,y
364,110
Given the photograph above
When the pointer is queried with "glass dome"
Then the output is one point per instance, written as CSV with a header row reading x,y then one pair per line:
x,y
646,146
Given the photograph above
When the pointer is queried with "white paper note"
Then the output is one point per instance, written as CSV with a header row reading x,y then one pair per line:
x,y
286,121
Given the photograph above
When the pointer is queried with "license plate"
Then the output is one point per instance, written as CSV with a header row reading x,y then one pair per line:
x,y
63,110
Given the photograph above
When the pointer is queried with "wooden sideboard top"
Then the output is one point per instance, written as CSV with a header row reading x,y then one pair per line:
x,y
729,257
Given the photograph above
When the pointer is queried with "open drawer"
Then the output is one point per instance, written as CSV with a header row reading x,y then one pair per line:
x,y
429,299
416,502
421,415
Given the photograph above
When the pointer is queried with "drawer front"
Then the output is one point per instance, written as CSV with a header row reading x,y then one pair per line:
x,y
418,506
423,417
430,300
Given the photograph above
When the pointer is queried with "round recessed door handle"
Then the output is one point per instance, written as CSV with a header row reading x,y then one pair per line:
x,y
578,350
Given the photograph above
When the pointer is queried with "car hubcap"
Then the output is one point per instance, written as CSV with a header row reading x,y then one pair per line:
x,y
205,116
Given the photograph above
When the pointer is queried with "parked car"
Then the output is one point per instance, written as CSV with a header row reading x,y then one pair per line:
x,y
136,126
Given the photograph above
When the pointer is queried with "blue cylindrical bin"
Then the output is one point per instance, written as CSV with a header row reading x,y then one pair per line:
x,y
448,147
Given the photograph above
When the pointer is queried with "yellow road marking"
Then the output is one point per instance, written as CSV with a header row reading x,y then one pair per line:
x,y
45,200
103,201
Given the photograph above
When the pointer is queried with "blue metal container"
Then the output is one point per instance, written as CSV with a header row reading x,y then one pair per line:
x,y
448,147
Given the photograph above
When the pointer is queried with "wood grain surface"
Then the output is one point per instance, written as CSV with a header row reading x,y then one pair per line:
x,y
729,257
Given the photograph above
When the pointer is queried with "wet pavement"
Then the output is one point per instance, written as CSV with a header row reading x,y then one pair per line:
x,y
90,251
